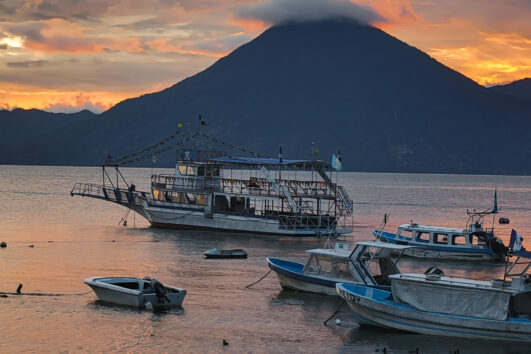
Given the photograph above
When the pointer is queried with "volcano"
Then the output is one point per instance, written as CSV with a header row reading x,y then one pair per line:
x,y
386,105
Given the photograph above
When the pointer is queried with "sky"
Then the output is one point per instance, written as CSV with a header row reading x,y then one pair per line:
x,y
68,55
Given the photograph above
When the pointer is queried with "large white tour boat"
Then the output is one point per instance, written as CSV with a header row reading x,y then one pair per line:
x,y
210,190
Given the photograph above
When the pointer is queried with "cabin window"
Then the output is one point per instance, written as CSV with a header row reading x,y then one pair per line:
x,y
191,198
215,171
406,234
441,239
459,240
201,171
476,240
221,203
158,195
423,236
187,170
201,199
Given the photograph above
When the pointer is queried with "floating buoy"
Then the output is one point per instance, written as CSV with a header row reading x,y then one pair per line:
x,y
338,322
31,246
503,220
3,244
19,288
225,342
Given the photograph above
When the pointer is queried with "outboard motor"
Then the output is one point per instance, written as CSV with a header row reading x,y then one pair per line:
x,y
160,291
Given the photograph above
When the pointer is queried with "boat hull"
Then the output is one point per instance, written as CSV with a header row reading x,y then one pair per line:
x,y
195,219
290,277
375,308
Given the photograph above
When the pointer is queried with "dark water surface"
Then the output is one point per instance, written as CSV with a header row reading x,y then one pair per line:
x,y
75,238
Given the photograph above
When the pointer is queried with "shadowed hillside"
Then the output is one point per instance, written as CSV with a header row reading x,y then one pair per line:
x,y
386,105
519,89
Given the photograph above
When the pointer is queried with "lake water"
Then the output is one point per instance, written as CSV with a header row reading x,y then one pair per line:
x,y
75,238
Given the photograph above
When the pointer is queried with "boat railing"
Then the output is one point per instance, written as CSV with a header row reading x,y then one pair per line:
x,y
322,223
117,195
252,186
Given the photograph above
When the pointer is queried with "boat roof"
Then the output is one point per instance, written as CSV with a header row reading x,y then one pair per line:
x,y
452,282
386,245
522,254
431,228
262,161
330,253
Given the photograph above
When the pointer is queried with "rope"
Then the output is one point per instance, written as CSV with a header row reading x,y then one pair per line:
x,y
335,313
259,280
43,294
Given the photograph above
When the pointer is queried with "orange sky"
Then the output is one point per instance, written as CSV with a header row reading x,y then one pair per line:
x,y
66,55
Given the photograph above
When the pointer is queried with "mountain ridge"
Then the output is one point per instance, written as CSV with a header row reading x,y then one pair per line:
x,y
388,106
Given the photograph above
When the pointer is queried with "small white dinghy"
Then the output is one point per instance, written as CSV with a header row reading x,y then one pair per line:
x,y
142,293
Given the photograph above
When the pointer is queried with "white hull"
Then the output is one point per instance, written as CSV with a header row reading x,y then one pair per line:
x,y
134,299
300,285
368,312
177,218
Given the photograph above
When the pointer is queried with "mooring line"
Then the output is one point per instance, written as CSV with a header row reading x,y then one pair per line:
x,y
259,280
335,313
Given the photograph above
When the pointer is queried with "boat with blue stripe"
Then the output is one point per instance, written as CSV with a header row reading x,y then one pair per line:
x,y
473,243
369,263
457,307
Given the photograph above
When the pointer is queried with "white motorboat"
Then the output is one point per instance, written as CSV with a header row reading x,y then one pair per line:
x,y
370,263
142,293
432,303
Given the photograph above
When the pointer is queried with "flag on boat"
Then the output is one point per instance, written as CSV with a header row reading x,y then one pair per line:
x,y
336,161
154,159
201,121
516,242
315,149
280,154
179,125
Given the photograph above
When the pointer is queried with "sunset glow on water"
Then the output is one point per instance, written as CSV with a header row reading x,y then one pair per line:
x,y
74,238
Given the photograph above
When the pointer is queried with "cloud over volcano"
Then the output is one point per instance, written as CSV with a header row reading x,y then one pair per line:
x,y
281,11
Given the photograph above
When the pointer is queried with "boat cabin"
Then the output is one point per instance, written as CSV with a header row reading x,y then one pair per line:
x,y
442,236
370,263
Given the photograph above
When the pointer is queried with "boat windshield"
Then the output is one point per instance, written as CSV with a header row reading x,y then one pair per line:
x,y
327,266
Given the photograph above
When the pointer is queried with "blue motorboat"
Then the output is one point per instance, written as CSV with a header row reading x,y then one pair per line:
x,y
447,306
369,263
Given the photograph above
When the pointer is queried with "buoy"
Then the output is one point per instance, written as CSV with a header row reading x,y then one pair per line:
x,y
338,322
3,244
19,288
225,342
31,246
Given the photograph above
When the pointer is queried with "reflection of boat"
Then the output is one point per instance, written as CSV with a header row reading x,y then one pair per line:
x,y
216,253
448,306
209,190
472,243
142,293
370,263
